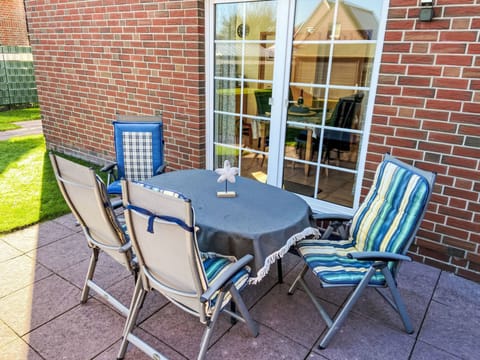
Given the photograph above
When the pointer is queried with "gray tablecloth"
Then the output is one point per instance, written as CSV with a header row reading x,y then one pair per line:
x,y
258,221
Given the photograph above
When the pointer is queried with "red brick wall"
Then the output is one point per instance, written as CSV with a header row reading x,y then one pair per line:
x,y
96,58
428,113
13,26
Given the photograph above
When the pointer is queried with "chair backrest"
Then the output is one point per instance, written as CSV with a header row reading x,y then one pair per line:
x,y
86,195
392,212
262,97
138,145
342,117
161,228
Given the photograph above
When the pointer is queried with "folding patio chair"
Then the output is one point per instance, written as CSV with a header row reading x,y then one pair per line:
x,y
138,150
162,230
379,236
86,195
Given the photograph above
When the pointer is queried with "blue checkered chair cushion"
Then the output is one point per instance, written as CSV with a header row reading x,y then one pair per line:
x,y
137,155
386,221
139,151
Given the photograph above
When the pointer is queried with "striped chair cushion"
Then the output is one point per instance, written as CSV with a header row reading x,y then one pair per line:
x,y
386,221
389,216
214,267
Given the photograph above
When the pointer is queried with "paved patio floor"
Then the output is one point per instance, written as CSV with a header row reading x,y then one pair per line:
x,y
42,270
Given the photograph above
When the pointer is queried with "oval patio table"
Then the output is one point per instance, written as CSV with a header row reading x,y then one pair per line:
x,y
258,221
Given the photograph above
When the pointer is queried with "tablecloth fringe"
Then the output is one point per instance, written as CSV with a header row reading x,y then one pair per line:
x,y
272,258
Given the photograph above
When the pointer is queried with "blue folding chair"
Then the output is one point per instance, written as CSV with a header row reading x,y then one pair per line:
x,y
378,238
138,148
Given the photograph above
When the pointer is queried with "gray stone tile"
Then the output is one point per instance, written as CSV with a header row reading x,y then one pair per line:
x,y
8,252
20,272
63,253
362,338
69,221
81,333
280,311
452,329
18,350
182,331
7,335
31,306
455,291
123,292
37,236
239,344
423,351
107,272
134,353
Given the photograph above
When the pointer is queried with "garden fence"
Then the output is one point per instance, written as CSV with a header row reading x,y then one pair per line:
x,y
17,80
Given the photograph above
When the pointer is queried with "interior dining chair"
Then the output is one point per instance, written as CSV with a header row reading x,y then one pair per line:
x,y
342,118
139,147
85,194
379,236
162,229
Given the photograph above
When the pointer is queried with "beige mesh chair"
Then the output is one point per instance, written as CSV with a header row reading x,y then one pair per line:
x,y
86,195
162,230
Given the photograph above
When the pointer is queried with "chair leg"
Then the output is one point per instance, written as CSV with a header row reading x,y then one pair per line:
x,y
242,308
137,301
400,306
297,279
207,334
346,308
90,272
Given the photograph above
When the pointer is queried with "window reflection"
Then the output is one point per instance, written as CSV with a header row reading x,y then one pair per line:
x,y
332,60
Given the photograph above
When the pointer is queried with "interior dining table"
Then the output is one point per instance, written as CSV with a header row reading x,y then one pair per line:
x,y
258,220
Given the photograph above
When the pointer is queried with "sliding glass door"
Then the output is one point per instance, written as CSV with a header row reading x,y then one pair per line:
x,y
291,90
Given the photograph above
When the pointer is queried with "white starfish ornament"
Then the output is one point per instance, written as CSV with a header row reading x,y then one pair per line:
x,y
227,174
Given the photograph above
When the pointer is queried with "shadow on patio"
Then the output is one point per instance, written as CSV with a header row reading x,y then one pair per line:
x,y
43,267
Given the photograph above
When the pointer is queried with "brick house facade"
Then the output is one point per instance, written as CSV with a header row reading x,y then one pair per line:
x,y
13,27
94,58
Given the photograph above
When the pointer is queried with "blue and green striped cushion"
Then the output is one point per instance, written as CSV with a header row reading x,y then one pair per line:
x,y
389,216
214,268
386,221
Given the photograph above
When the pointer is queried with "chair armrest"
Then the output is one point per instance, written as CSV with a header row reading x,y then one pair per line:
x,y
108,167
111,174
161,169
225,277
378,256
340,217
116,203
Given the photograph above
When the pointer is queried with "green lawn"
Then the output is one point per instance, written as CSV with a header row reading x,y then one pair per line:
x,y
28,187
7,118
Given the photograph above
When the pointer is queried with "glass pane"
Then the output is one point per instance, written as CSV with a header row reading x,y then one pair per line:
x,y
227,17
223,153
226,129
260,19
358,20
336,187
352,64
313,20
227,60
227,96
254,166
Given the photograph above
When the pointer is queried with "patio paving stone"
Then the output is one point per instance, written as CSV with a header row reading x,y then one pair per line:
x,y
31,306
42,270
82,333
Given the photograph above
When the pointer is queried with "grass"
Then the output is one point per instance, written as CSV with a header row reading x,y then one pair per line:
x,y
9,117
28,187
